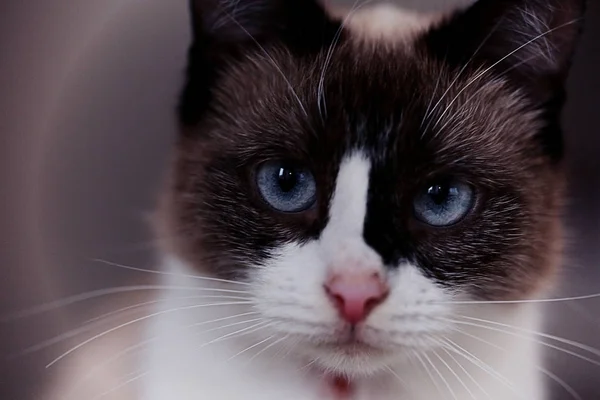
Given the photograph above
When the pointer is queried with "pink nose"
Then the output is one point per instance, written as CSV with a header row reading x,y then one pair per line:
x,y
356,294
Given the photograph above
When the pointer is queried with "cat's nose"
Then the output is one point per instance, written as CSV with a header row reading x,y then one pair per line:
x,y
355,294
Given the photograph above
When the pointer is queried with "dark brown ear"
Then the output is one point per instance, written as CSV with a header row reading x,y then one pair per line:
x,y
298,23
224,30
530,40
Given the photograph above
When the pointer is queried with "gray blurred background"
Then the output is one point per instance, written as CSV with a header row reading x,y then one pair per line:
x,y
87,91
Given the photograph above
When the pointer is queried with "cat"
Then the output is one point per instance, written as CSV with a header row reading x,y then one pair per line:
x,y
367,203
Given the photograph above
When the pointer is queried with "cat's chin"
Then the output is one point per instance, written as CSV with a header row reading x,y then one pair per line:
x,y
351,359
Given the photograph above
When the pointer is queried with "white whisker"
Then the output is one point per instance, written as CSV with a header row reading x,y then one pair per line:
x,y
276,342
243,331
454,347
426,368
523,336
428,113
321,100
147,303
222,319
273,62
164,273
561,383
541,334
437,371
127,382
137,320
94,323
218,328
554,300
486,70
391,371
250,347
466,372
455,375
70,300
546,372
105,363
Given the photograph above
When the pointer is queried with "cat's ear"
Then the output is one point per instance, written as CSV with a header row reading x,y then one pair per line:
x,y
224,30
530,40
231,24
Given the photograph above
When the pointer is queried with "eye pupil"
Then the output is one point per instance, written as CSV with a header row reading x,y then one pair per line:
x,y
287,179
439,193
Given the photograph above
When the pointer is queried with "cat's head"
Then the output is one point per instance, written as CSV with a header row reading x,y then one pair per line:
x,y
363,172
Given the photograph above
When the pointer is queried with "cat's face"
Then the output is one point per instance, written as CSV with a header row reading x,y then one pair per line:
x,y
363,179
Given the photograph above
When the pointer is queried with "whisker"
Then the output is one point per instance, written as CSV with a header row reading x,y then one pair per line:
x,y
321,100
445,350
546,372
272,60
566,351
243,331
218,328
127,382
130,349
458,75
307,366
137,320
568,388
486,70
391,371
455,375
428,373
107,362
70,300
465,333
461,351
165,273
147,303
223,319
437,371
541,334
268,347
526,301
96,323
250,347
292,347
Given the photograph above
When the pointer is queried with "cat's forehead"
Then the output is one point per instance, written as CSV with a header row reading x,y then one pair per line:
x,y
384,99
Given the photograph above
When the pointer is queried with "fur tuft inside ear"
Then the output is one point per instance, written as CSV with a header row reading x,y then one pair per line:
x,y
224,30
533,40
529,43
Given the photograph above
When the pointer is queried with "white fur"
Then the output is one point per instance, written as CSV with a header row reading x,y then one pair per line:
x,y
282,358
388,23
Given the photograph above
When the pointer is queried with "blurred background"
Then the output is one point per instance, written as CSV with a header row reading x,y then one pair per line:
x,y
87,93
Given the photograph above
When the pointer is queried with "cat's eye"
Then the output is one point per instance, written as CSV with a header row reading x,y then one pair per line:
x,y
286,187
444,202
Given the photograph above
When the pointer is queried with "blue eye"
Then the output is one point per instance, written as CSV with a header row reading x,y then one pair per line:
x,y
286,187
444,203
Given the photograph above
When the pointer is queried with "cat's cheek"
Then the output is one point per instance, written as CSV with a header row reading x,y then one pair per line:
x,y
415,314
289,288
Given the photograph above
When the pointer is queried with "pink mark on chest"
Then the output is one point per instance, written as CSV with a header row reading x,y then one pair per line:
x,y
341,387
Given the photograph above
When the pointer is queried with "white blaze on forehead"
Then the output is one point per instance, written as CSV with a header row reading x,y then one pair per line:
x,y
386,22
348,207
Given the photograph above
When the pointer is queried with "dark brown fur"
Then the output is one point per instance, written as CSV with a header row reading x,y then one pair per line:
x,y
498,131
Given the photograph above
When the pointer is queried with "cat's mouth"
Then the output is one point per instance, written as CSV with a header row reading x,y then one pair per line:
x,y
350,346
